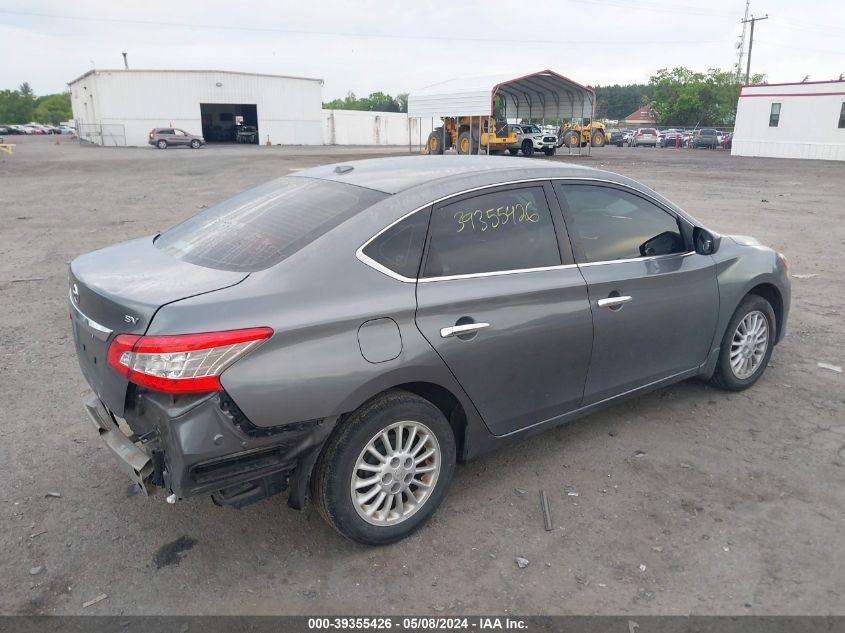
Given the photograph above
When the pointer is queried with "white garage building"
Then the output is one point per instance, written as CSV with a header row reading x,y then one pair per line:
x,y
120,107
792,120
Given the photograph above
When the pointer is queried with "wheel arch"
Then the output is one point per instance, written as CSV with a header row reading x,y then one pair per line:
x,y
449,406
441,397
770,293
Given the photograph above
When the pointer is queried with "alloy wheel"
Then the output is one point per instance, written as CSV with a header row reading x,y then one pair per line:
x,y
396,473
749,344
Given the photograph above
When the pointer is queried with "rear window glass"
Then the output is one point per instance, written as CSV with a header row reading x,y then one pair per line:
x,y
260,227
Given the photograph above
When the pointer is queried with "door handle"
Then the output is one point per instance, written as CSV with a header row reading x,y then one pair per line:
x,y
612,302
457,330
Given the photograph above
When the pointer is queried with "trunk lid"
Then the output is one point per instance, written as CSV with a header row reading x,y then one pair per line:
x,y
117,290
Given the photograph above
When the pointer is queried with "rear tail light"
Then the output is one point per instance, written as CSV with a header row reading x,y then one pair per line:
x,y
184,363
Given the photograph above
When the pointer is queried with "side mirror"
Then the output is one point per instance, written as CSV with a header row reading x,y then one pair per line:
x,y
705,242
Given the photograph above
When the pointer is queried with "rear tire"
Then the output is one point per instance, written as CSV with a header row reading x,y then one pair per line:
x,y
513,152
749,338
597,138
354,509
465,143
162,144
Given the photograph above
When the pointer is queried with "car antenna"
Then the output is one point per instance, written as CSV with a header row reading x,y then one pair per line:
x,y
343,169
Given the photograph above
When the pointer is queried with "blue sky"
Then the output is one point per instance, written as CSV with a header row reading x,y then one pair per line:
x,y
370,45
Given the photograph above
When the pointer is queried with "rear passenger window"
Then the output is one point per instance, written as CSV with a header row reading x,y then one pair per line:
x,y
400,247
611,224
498,231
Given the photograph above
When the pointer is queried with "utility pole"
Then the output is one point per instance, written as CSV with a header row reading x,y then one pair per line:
x,y
751,44
741,45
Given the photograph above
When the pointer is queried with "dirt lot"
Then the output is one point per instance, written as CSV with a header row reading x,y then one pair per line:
x,y
689,500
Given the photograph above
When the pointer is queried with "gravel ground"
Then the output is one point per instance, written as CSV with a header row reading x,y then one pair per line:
x,y
687,500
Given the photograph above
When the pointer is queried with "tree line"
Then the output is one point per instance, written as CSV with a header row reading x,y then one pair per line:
x,y
376,102
23,106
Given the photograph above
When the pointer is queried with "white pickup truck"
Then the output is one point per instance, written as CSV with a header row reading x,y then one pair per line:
x,y
531,138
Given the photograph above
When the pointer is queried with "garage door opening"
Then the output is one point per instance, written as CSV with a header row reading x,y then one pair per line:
x,y
229,122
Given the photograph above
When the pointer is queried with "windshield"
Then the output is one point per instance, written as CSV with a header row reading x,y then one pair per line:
x,y
530,129
260,227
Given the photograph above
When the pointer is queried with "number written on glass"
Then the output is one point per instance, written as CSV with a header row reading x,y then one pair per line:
x,y
496,217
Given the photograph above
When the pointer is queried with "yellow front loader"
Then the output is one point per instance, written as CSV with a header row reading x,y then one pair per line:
x,y
463,134
582,133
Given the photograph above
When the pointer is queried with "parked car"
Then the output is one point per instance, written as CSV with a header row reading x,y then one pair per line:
x,y
627,136
531,138
672,138
5,130
616,136
64,129
646,137
164,137
706,137
19,129
356,329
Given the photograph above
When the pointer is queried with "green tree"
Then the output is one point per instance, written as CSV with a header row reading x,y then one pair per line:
x,y
685,97
53,108
617,102
15,107
376,102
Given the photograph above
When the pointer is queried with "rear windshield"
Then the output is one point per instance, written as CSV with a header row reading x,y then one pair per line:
x,y
260,227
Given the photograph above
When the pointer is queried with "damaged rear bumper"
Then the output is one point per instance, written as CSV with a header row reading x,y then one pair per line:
x,y
130,458
200,445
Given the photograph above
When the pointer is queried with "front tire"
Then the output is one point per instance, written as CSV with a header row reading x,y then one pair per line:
x,y
385,469
572,139
597,138
746,346
435,142
513,152
527,148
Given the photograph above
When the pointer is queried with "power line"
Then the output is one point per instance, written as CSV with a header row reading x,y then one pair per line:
x,y
391,36
646,7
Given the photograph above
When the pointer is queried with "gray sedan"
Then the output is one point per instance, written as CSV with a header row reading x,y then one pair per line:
x,y
349,333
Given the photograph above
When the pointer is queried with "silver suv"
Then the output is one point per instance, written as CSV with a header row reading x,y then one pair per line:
x,y
531,138
164,137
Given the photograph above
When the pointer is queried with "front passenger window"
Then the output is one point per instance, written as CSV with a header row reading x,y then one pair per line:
x,y
611,224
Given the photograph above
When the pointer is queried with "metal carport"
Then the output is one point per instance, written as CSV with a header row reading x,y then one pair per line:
x,y
539,95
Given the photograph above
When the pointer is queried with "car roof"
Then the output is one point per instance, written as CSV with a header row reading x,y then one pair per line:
x,y
399,173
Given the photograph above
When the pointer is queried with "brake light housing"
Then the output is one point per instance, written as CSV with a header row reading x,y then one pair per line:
x,y
182,363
